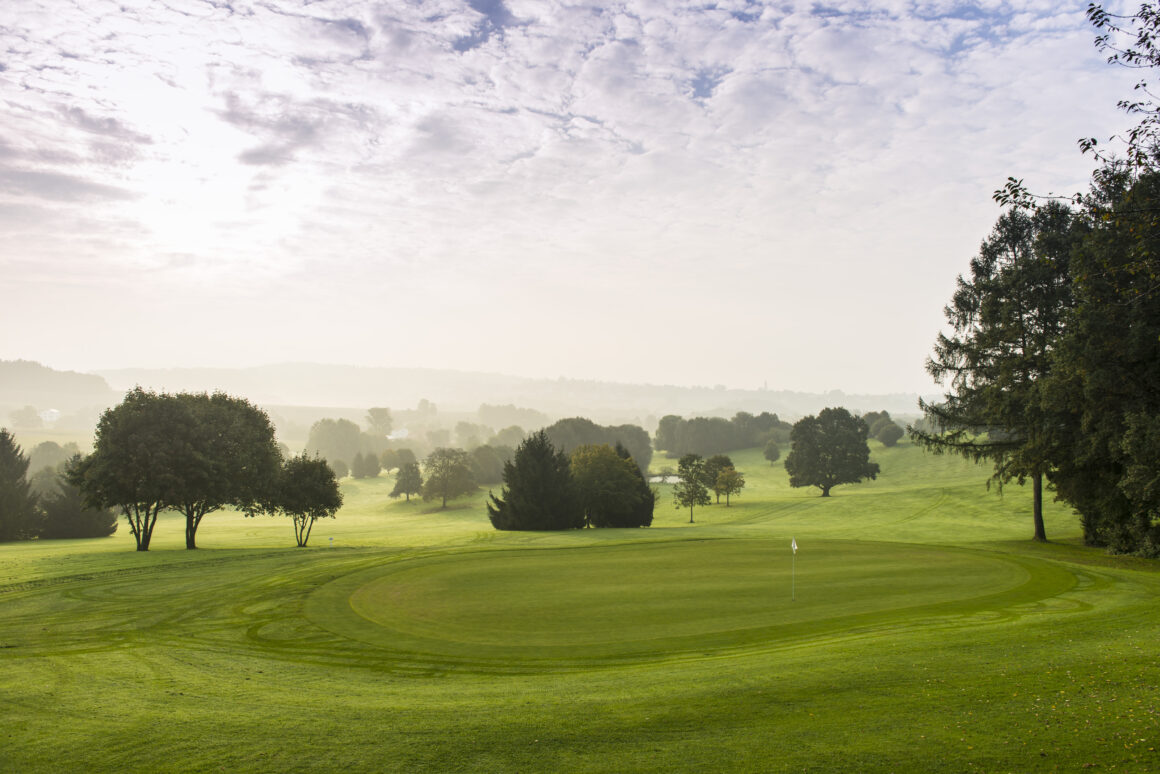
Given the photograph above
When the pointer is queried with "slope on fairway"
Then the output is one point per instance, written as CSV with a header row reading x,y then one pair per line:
x,y
661,599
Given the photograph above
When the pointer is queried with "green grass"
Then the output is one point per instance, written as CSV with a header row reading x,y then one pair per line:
x,y
928,634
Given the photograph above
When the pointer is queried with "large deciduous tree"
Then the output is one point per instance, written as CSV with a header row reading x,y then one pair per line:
x,y
1007,318
448,475
828,450
730,481
138,453
192,453
335,440
539,492
17,502
608,486
230,458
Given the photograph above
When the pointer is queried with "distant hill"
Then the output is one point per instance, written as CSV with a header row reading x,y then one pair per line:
x,y
76,399
305,384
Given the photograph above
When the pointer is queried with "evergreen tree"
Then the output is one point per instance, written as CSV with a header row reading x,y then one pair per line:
x,y
1007,317
17,502
65,514
539,492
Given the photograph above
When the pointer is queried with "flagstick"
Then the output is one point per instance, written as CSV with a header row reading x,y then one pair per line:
x,y
793,578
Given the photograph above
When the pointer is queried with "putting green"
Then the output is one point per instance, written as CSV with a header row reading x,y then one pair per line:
x,y
667,599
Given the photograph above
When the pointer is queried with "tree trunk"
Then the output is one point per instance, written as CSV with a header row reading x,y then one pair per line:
x,y
1037,506
690,514
825,491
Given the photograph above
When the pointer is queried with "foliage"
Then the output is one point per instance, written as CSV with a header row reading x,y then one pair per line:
x,y
65,515
334,440
339,467
568,434
228,457
690,489
510,436
487,463
729,481
1102,391
50,454
193,453
772,451
714,465
828,450
17,501
715,435
539,492
140,449
26,418
1006,319
379,422
889,434
406,457
608,486
469,435
365,466
646,500
409,481
306,491
389,460
448,475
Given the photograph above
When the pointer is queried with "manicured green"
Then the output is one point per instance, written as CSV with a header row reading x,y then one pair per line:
x,y
928,634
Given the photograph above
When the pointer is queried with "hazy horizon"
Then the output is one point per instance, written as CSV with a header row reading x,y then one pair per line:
x,y
741,193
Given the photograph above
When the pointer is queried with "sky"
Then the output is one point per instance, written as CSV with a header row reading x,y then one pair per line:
x,y
740,193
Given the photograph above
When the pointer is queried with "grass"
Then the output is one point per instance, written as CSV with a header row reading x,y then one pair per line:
x,y
928,634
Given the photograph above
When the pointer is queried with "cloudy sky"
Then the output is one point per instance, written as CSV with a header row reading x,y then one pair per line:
x,y
732,192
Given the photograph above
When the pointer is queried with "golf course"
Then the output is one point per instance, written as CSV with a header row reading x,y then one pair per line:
x,y
917,628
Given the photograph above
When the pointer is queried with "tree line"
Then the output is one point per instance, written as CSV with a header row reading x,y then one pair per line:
x,y
706,436
545,488
1052,362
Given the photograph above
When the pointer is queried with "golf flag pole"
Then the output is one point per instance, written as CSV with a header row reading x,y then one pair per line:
x,y
793,571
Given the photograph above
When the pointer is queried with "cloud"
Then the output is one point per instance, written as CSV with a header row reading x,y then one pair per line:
x,y
57,186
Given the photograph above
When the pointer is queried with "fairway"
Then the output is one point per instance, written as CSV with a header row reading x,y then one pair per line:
x,y
928,634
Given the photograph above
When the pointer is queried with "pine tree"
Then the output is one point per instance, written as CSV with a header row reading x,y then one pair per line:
x,y
17,502
538,492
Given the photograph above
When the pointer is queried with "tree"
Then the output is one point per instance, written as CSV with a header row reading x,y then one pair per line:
x,y
335,439
406,456
50,454
27,418
642,515
487,464
567,434
339,467
713,466
228,457
409,481
729,481
65,514
135,460
192,453
389,460
448,475
1007,318
607,486
539,492
365,466
510,436
17,502
379,422
306,492
772,451
828,450
889,434
690,489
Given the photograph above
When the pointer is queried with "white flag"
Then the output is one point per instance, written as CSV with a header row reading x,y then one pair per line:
x,y
793,544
